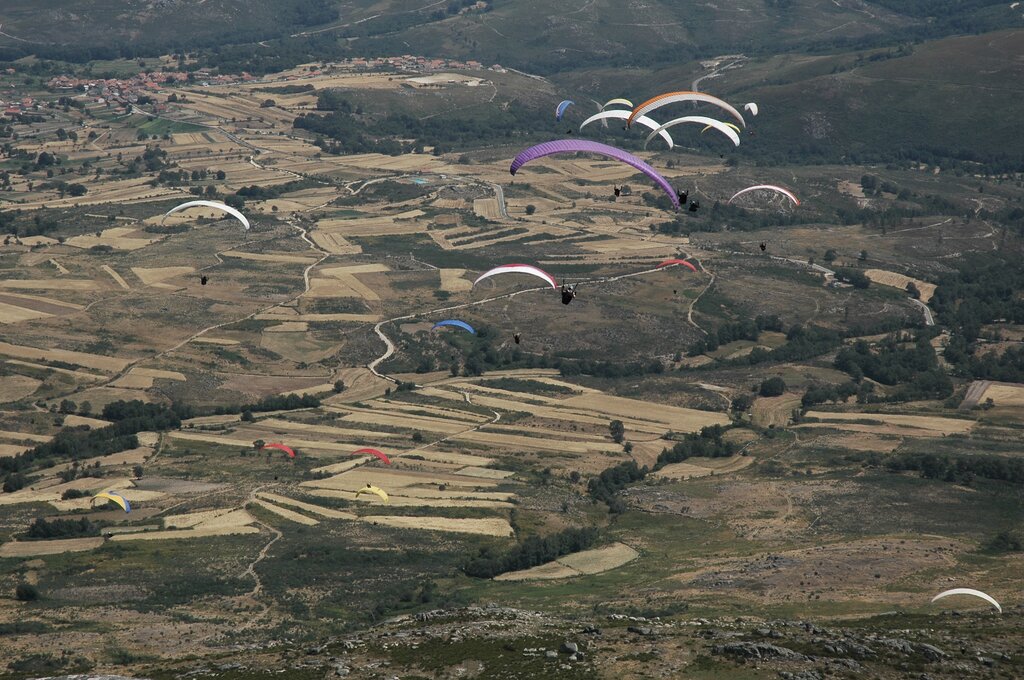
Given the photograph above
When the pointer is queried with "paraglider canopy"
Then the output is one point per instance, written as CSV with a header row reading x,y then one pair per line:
x,y
623,115
768,187
752,107
969,591
560,109
586,146
369,488
519,269
674,261
372,452
455,322
208,204
617,101
683,96
703,120
112,497
281,447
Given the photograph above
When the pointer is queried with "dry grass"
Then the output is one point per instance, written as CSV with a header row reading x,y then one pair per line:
x,y
287,514
14,314
115,237
35,548
483,527
117,277
704,467
769,411
142,378
96,361
926,425
1004,394
50,284
308,507
149,276
15,387
577,564
900,281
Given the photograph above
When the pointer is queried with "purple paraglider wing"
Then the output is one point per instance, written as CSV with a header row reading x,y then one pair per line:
x,y
574,145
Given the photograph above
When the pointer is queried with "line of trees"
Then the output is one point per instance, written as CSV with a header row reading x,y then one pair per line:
x,y
748,329
707,443
534,551
960,469
76,443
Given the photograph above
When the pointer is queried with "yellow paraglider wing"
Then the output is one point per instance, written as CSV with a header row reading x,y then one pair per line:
x,y
373,489
114,498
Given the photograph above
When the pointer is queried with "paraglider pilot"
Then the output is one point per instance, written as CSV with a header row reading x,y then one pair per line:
x,y
683,195
764,246
694,205
515,336
203,280
568,293
618,191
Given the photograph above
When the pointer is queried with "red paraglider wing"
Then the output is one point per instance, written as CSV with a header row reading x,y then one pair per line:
x,y
670,262
282,447
374,452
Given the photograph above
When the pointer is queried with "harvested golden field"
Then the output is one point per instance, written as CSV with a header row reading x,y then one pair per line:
x,y
900,281
186,533
142,378
15,387
117,277
50,284
96,361
150,276
57,547
774,411
484,527
926,425
704,467
116,237
287,514
1005,394
335,243
320,510
271,257
452,280
577,564
15,314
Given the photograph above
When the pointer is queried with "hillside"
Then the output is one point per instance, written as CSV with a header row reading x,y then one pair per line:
x,y
878,106
574,34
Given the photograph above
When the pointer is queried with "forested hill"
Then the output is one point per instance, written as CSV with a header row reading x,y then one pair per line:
x,y
574,33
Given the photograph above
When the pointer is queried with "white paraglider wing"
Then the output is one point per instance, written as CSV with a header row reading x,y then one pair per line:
x,y
210,204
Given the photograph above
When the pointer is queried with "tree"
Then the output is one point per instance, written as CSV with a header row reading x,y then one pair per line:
x,y
137,472
417,436
530,209
772,387
863,257
339,386
913,291
831,255
618,431
247,416
221,175
26,592
68,406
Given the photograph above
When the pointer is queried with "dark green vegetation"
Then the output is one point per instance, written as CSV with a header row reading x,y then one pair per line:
x,y
532,552
75,443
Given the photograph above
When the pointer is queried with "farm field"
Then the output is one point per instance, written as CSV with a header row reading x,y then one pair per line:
x,y
762,464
